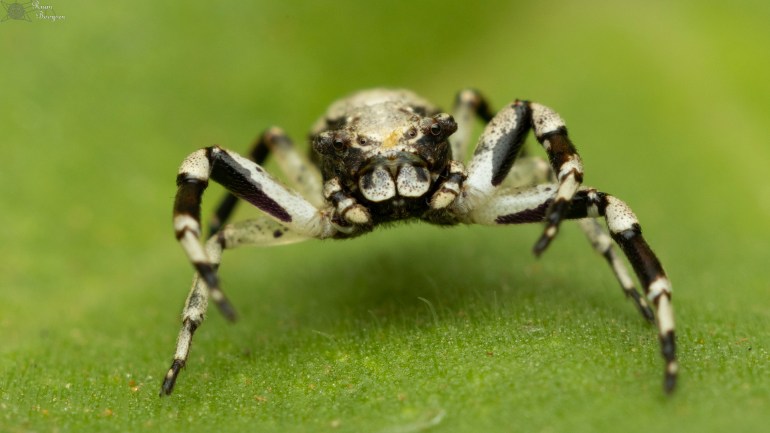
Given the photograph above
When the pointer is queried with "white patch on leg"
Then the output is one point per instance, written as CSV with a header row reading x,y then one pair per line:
x,y
196,165
619,216
672,368
593,209
545,120
193,248
185,221
216,295
510,201
665,315
573,163
658,287
567,188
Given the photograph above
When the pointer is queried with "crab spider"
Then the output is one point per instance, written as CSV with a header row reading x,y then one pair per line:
x,y
386,155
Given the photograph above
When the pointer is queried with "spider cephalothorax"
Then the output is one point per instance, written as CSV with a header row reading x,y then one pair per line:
x,y
386,155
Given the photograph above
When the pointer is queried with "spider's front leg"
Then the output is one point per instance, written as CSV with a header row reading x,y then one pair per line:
x,y
498,147
303,176
248,181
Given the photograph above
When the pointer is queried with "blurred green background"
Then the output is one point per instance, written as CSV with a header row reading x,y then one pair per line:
x,y
408,329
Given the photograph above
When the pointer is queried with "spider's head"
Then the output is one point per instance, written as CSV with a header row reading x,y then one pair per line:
x,y
387,153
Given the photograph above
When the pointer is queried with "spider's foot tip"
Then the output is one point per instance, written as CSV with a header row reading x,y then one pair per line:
x,y
166,389
545,239
670,376
669,383
227,310
541,245
641,305
170,379
648,314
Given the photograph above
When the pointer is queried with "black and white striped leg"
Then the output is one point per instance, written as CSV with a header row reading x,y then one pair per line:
x,y
551,133
602,243
529,205
227,205
469,105
248,181
529,171
302,175
494,155
263,231
498,147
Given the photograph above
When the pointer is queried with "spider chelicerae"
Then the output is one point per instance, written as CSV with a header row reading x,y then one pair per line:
x,y
380,156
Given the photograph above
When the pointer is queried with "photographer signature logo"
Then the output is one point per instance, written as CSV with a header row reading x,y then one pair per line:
x,y
29,11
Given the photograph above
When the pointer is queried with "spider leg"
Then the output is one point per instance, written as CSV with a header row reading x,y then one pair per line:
x,y
262,231
303,176
498,147
551,133
530,171
602,243
258,154
527,205
248,181
469,104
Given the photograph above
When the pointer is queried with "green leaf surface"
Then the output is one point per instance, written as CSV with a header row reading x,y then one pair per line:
x,y
412,328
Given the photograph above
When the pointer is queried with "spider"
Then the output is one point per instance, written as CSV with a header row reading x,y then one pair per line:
x,y
380,156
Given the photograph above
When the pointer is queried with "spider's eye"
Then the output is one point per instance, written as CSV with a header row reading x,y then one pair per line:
x,y
435,129
412,132
327,143
362,141
338,144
